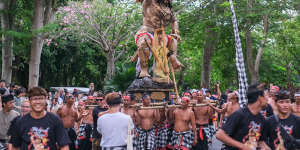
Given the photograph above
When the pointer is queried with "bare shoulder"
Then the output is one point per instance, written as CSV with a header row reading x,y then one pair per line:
x,y
190,111
60,108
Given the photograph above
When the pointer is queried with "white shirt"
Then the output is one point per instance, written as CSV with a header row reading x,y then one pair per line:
x,y
114,129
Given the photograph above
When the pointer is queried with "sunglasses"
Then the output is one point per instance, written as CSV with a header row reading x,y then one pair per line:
x,y
99,99
70,97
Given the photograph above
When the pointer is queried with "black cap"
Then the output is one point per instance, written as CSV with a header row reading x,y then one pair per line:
x,y
7,98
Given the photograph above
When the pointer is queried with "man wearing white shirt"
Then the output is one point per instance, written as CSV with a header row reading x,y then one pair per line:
x,y
113,125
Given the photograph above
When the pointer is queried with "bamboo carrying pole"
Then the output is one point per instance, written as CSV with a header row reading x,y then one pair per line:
x,y
166,66
160,105
171,106
174,80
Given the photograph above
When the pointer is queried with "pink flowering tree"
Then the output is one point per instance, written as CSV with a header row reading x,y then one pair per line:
x,y
111,27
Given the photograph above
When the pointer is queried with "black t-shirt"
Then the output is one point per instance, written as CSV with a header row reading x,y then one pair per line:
x,y
41,133
268,111
96,111
244,127
290,125
12,125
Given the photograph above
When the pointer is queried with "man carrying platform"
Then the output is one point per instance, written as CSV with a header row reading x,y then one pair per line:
x,y
183,137
145,136
202,115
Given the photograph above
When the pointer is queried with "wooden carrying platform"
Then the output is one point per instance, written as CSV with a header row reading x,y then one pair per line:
x,y
157,95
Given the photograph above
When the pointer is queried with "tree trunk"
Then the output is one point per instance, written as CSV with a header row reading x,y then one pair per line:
x,y
37,43
262,45
249,49
253,68
288,75
7,21
250,61
209,47
110,66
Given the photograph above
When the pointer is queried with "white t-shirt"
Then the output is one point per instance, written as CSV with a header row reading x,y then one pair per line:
x,y
114,129
60,101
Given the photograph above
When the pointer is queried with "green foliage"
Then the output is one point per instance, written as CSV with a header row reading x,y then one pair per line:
x,y
74,59
125,75
68,61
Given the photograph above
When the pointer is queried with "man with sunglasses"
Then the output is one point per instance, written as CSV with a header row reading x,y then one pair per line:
x,y
69,116
39,129
279,128
98,109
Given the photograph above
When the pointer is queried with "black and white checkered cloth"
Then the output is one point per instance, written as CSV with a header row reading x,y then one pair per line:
x,y
145,139
243,83
209,131
115,148
182,140
161,137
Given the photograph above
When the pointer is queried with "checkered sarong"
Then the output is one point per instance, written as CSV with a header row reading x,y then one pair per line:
x,y
161,137
170,129
145,139
182,140
115,148
209,131
243,83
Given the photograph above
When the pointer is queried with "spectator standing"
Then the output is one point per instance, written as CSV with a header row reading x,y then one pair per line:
x,y
7,114
39,129
3,85
100,108
91,89
114,125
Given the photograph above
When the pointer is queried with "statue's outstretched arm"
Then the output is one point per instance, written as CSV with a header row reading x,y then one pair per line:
x,y
175,27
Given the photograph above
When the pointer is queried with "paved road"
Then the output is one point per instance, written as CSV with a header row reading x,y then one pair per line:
x,y
216,144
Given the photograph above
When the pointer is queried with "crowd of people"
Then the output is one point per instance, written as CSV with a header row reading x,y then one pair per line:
x,y
38,120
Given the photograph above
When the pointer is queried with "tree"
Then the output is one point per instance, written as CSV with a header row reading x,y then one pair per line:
x,y
7,8
260,18
43,14
110,26
211,42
